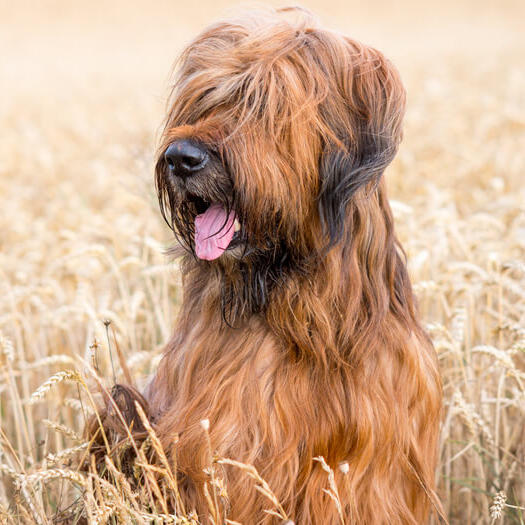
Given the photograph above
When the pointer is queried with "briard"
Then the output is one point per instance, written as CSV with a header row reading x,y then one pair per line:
x,y
297,337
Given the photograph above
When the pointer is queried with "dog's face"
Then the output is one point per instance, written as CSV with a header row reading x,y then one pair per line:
x,y
273,128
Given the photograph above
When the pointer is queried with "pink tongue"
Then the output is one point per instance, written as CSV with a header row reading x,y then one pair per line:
x,y
213,232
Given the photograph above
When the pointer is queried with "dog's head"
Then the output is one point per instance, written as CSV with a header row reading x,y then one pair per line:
x,y
274,126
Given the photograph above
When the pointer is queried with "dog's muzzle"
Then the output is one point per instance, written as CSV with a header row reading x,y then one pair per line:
x,y
215,223
185,158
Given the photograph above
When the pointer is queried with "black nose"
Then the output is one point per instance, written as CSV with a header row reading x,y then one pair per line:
x,y
185,157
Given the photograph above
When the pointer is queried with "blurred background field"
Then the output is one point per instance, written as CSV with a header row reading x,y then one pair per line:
x,y
83,86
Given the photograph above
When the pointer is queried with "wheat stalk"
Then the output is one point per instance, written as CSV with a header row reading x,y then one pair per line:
x,y
498,504
55,379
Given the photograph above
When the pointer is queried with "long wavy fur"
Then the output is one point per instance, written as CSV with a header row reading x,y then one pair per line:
x,y
308,343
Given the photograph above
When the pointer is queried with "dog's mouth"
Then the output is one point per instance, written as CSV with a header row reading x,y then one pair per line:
x,y
216,229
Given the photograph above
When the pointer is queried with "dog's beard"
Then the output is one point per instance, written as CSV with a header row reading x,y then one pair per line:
x,y
248,270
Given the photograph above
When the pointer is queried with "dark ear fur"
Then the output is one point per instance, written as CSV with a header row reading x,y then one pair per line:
x,y
343,173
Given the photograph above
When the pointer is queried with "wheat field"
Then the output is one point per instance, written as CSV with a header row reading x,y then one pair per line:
x,y
87,294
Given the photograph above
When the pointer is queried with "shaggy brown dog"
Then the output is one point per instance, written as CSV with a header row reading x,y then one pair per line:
x,y
298,335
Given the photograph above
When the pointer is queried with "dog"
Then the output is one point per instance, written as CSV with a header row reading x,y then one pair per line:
x,y
298,337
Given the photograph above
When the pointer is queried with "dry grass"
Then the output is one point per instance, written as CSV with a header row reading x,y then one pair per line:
x,y
81,240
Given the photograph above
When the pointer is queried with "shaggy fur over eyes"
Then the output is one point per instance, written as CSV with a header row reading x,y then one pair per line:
x,y
301,339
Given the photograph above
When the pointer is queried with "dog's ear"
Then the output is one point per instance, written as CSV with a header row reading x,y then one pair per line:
x,y
367,138
343,173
